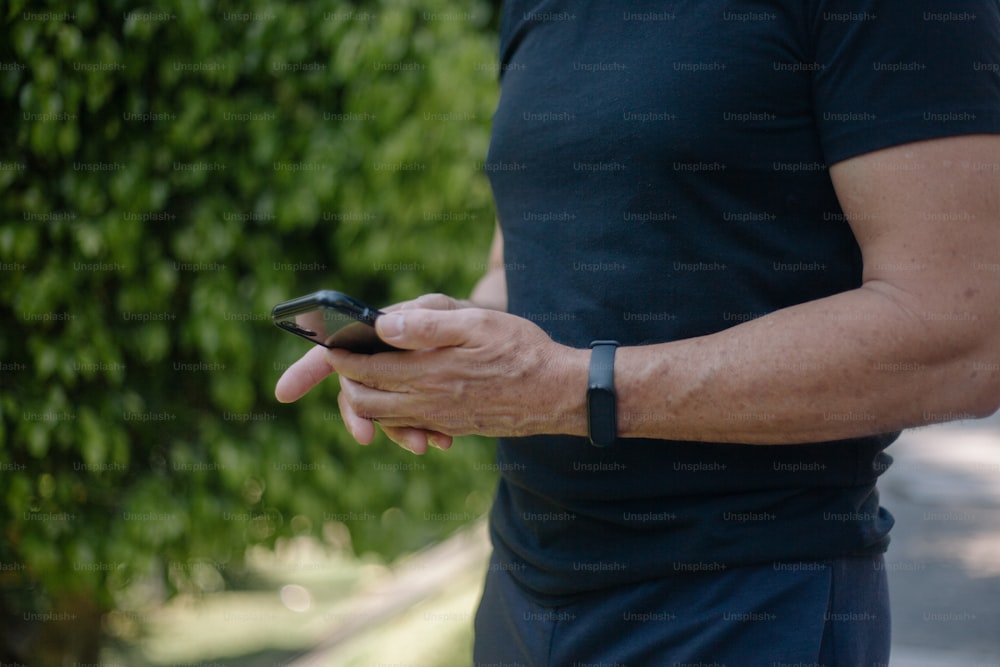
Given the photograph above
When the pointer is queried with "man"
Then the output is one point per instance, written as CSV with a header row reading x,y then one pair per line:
x,y
786,215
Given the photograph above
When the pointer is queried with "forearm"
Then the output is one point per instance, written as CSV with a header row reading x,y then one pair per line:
x,y
491,291
853,364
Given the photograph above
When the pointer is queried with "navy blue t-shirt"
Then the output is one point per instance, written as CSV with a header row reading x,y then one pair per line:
x,y
661,172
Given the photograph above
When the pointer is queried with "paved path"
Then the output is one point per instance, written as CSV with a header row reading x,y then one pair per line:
x,y
944,559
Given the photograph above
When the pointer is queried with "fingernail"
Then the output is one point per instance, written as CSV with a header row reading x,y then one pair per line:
x,y
433,441
390,325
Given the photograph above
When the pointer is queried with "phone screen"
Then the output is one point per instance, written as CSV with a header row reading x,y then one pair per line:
x,y
331,319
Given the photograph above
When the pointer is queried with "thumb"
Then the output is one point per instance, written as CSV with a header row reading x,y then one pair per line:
x,y
421,328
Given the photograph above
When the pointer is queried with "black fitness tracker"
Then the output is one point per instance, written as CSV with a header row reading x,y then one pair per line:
x,y
602,421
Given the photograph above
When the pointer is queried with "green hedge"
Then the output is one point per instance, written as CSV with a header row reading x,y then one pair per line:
x,y
169,172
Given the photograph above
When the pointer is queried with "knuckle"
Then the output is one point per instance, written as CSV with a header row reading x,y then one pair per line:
x,y
437,301
431,300
479,320
425,327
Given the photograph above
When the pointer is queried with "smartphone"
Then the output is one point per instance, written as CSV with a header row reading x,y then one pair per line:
x,y
331,319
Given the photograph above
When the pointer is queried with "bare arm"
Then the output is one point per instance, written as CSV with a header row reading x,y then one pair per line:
x,y
918,342
491,290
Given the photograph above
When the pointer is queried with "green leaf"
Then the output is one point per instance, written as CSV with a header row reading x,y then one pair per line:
x,y
93,438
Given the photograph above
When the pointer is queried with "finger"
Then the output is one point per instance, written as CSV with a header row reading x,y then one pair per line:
x,y
439,440
360,428
302,376
424,328
402,305
387,371
414,439
431,301
411,439
437,301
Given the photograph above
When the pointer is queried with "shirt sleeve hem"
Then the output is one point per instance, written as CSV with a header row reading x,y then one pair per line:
x,y
909,129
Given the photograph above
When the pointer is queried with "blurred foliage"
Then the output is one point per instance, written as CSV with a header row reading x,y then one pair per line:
x,y
168,173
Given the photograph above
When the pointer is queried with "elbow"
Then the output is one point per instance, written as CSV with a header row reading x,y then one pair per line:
x,y
984,374
978,385
986,405
960,402
967,386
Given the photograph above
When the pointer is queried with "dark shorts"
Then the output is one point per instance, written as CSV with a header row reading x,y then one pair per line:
x,y
829,613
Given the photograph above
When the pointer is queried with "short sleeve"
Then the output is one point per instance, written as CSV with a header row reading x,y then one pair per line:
x,y
889,72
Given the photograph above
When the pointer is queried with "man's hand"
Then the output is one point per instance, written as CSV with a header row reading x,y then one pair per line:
x,y
314,366
469,370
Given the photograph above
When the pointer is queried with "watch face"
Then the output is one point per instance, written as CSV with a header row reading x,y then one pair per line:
x,y
601,415
601,407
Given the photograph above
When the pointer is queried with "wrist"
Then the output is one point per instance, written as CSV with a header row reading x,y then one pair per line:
x,y
647,388
567,390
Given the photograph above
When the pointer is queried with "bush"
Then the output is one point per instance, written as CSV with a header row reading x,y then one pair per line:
x,y
168,175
